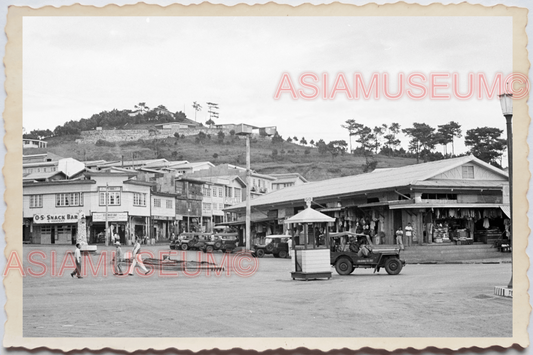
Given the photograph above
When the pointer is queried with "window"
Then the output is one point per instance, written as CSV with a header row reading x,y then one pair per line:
x,y
113,198
157,202
468,172
221,206
220,192
139,199
69,199
214,191
207,191
228,191
36,201
170,205
237,193
206,206
214,206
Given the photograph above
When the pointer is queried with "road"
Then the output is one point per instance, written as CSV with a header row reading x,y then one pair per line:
x,y
422,301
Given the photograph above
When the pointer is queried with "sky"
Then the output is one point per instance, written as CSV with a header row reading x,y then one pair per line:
x,y
74,67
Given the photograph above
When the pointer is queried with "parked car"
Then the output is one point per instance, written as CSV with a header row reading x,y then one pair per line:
x,y
272,244
189,241
349,251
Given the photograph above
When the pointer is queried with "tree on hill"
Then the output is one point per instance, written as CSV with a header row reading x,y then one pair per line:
x,y
141,108
351,127
378,131
38,134
312,142
295,139
277,139
447,132
391,142
322,147
485,143
180,116
210,123
220,136
422,137
336,147
303,141
289,139
197,107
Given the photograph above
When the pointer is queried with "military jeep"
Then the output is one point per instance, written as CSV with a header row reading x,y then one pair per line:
x,y
349,251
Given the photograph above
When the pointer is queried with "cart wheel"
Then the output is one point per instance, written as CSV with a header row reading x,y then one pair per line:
x,y
218,245
270,248
209,249
393,266
260,253
344,266
282,254
184,246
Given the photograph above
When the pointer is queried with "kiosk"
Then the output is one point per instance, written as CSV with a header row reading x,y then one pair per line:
x,y
310,261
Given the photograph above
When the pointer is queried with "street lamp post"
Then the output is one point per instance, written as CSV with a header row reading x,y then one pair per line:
x,y
245,130
506,101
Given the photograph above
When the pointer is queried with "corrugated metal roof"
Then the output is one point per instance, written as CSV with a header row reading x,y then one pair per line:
x,y
404,176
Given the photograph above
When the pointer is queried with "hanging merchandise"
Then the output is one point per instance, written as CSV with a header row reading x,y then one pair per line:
x,y
486,223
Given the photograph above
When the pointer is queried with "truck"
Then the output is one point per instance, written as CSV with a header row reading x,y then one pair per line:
x,y
349,251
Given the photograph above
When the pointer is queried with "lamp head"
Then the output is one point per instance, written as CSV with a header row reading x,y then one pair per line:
x,y
506,101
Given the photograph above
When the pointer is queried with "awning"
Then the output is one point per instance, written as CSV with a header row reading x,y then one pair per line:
x,y
444,205
309,215
330,209
507,210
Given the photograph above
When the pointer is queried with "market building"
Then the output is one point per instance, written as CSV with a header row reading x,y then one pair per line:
x,y
444,201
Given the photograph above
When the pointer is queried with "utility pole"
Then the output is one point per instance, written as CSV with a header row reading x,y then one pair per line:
x,y
107,236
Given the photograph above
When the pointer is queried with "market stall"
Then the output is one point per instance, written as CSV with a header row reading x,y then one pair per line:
x,y
311,261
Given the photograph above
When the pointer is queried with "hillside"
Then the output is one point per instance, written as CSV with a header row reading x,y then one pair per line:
x,y
266,157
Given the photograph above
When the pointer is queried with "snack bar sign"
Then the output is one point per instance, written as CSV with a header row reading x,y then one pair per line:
x,y
56,218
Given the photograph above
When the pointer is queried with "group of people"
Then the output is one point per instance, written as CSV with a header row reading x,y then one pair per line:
x,y
408,232
119,257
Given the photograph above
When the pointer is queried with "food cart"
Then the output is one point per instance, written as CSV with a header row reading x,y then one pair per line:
x,y
310,261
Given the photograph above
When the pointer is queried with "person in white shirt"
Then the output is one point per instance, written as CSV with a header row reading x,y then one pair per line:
x,y
136,258
77,257
409,233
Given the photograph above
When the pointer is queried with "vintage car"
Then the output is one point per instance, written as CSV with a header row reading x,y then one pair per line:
x,y
272,244
190,241
349,251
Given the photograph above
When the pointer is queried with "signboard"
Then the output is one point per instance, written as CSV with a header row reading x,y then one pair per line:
x,y
111,216
56,218
165,218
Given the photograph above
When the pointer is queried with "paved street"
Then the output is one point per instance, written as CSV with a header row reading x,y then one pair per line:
x,y
423,301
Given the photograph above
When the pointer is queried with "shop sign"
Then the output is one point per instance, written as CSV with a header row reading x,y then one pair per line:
x,y
164,218
111,216
56,218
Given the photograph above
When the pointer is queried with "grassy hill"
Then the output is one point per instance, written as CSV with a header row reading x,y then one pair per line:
x,y
290,157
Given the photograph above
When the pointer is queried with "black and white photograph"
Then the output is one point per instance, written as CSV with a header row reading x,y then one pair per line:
x,y
269,177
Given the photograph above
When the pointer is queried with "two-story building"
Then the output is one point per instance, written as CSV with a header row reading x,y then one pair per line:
x,y
189,195
163,215
51,209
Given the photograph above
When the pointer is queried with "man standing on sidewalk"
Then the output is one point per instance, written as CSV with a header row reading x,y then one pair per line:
x,y
77,257
136,258
399,237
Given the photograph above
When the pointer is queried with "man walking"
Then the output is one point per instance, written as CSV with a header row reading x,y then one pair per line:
x,y
136,258
118,259
77,258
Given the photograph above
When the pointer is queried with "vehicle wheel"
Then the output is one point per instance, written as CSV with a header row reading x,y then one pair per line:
x,y
344,266
393,266
276,255
184,247
209,249
269,248
260,253
217,245
283,254
172,247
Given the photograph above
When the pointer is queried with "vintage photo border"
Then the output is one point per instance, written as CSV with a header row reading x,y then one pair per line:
x,y
13,177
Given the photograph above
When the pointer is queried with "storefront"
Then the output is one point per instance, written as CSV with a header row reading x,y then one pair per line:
x,y
59,228
162,227
117,222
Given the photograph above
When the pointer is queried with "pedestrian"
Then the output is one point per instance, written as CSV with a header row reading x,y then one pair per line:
x,y
409,233
399,237
118,259
289,246
136,258
116,237
77,258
